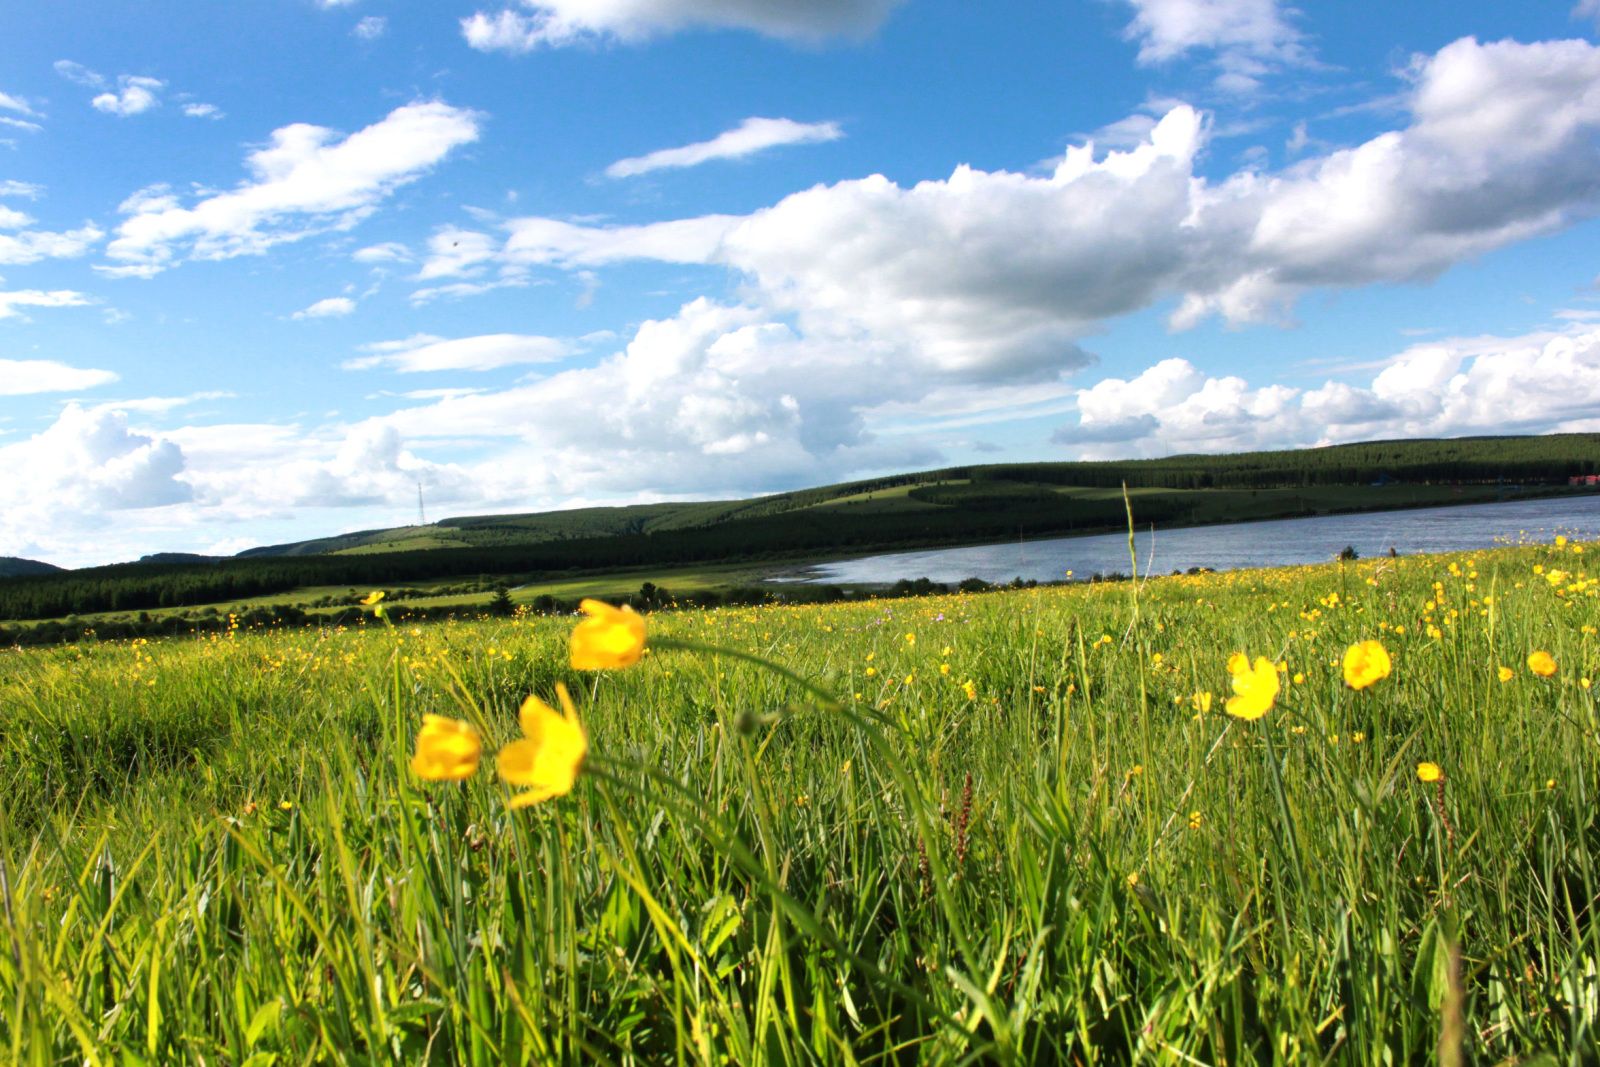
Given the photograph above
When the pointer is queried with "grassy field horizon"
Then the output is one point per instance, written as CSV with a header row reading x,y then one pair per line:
x,y
328,601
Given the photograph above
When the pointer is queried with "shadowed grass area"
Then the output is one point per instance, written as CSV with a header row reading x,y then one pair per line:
x,y
1027,833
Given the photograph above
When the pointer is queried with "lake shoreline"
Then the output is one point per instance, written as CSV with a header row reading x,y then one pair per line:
x,y
817,572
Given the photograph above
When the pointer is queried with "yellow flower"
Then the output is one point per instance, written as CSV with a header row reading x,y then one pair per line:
x,y
1541,663
970,689
1365,662
373,597
1428,772
609,637
447,750
1255,687
1505,674
546,759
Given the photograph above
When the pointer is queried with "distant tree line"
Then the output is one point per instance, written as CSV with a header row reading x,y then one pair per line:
x,y
283,616
1004,501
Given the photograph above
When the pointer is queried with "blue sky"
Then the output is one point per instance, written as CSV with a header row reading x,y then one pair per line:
x,y
266,267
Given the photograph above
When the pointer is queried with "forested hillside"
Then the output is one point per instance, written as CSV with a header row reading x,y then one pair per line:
x,y
947,506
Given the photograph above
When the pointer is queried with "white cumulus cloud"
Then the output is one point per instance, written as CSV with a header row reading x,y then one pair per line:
x,y
424,352
203,111
134,95
11,300
1247,38
20,377
17,104
749,137
999,272
387,252
1539,383
1166,29
30,246
329,308
559,22
306,180
68,481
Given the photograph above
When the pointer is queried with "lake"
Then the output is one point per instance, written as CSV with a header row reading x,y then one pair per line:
x,y
1278,542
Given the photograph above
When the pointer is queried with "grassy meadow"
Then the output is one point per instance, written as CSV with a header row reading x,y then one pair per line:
x,y
1011,827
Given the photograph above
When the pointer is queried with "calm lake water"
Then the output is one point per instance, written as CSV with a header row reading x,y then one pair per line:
x,y
1247,544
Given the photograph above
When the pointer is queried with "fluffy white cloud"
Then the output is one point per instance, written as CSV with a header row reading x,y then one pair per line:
x,y
1166,29
30,246
1540,383
134,95
277,468
998,272
371,28
12,219
1503,146
24,190
328,308
749,137
424,352
559,22
11,300
307,180
387,252
19,377
203,111
1249,38
17,104
65,481
716,399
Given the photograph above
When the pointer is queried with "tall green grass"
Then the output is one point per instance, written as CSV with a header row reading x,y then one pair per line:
x,y
214,852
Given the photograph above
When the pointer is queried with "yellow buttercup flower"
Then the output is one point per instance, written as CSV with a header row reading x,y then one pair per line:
x,y
1255,686
609,637
1429,772
546,759
373,597
447,750
1505,674
1365,662
1541,663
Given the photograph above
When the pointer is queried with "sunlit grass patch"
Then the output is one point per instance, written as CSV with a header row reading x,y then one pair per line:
x,y
1017,827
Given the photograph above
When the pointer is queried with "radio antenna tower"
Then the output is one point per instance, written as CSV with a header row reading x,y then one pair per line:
x,y
422,516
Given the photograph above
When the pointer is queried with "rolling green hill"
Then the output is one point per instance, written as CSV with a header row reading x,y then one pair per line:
x,y
13,567
954,505
1027,487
